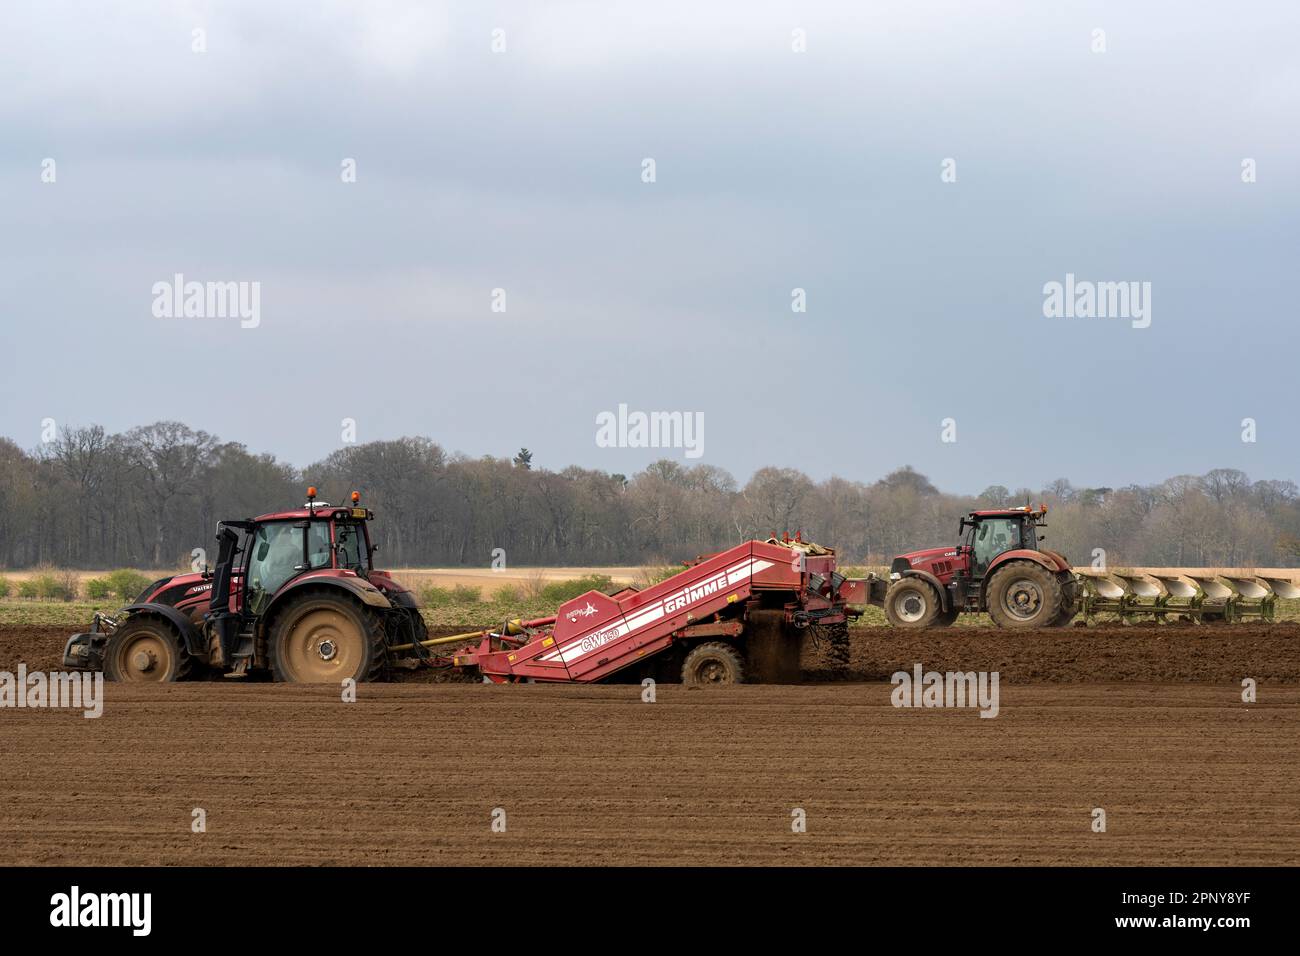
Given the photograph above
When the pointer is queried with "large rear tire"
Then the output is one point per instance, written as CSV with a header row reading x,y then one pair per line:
x,y
713,663
146,650
1023,595
913,603
325,638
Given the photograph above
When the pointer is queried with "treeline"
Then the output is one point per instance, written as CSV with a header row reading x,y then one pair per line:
x,y
149,496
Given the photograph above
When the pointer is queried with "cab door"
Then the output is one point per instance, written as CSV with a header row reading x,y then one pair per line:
x,y
989,538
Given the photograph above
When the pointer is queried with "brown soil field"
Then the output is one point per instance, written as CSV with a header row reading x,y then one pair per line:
x,y
412,774
1220,654
1145,722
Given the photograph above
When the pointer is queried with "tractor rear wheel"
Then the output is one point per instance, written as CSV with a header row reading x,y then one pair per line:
x,y
146,649
1023,594
913,603
713,663
326,638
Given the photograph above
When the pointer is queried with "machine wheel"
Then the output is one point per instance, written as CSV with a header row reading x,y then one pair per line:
x,y
713,663
1022,594
326,638
913,603
146,649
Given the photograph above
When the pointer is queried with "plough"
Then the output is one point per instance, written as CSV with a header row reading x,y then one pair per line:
x,y
1190,597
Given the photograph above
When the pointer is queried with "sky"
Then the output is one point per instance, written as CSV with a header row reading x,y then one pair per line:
x,y
805,146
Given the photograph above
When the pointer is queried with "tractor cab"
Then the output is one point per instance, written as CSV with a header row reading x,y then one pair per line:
x,y
988,534
279,548
258,557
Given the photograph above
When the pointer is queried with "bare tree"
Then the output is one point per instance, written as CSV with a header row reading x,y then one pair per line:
x,y
168,459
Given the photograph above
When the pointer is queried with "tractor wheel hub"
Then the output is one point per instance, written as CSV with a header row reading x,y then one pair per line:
x,y
1024,599
143,661
327,650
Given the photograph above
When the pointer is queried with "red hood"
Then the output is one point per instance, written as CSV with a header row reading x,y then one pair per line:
x,y
928,555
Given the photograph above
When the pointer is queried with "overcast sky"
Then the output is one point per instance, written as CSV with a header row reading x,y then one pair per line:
x,y
774,170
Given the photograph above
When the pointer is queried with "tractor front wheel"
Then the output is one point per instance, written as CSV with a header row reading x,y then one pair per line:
x,y
913,603
146,649
1023,594
713,663
325,639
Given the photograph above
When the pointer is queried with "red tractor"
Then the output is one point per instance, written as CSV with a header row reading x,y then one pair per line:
x,y
293,593
999,567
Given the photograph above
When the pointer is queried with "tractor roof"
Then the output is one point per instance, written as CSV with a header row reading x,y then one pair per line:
x,y
1011,512
321,510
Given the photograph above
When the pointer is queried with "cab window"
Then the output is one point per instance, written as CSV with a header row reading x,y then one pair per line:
x,y
277,555
350,546
992,537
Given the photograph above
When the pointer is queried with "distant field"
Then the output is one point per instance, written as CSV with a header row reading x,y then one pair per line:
x,y
487,579
482,597
438,577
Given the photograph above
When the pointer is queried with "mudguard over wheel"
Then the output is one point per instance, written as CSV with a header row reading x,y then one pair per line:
x,y
146,649
325,638
913,603
1023,594
713,663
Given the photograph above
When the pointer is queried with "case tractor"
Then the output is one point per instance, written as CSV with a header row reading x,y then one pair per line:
x,y
1000,567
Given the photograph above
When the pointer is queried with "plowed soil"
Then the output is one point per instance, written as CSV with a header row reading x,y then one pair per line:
x,y
1145,723
1153,654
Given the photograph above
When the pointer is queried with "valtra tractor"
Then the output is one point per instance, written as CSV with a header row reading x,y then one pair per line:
x,y
295,595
